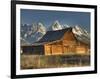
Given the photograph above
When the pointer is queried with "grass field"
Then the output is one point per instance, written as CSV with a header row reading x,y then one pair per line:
x,y
53,61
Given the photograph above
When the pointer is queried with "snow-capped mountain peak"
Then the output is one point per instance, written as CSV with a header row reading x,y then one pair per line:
x,y
81,34
41,28
80,31
56,26
77,30
32,33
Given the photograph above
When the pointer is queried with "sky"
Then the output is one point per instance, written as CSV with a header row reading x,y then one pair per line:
x,y
48,17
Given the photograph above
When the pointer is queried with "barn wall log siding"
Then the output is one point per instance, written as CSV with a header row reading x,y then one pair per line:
x,y
67,45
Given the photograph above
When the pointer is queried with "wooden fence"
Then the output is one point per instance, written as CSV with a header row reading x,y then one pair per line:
x,y
41,61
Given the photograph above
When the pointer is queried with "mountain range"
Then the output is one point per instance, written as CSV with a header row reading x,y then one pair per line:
x,y
34,32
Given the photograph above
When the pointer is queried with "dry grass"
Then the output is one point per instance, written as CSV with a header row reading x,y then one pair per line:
x,y
41,61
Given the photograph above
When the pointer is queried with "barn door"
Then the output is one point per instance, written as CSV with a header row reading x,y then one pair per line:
x,y
66,49
48,50
69,49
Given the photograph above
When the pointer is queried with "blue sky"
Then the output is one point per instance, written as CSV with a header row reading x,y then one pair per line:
x,y
47,17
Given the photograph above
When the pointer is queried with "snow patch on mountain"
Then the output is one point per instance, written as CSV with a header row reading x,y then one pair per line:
x,y
41,28
77,30
56,26
81,34
33,33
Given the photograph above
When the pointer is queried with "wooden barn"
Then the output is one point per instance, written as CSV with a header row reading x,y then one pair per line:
x,y
58,42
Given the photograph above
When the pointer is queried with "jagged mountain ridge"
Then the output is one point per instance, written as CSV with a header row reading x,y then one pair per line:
x,y
81,34
57,26
34,32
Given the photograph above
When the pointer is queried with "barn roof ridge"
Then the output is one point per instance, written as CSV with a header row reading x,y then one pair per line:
x,y
51,36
